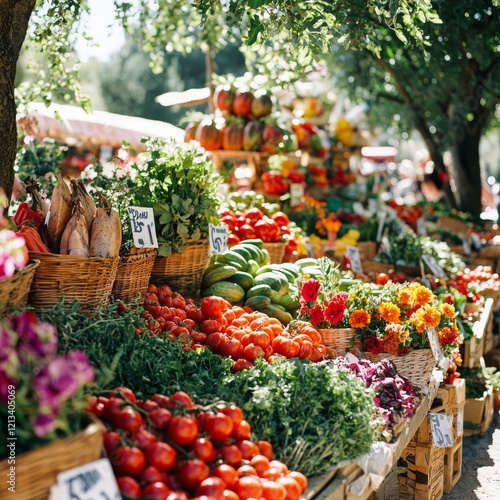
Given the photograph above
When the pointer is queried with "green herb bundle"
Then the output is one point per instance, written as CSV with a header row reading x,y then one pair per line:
x,y
178,181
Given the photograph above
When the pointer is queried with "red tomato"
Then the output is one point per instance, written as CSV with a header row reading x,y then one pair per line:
x,y
252,352
214,306
227,473
203,449
151,475
183,430
192,473
266,449
300,478
128,486
231,347
183,399
231,455
212,487
162,400
245,232
382,278
123,393
128,419
143,439
292,487
196,315
229,221
218,426
253,215
234,412
127,461
111,408
248,487
260,463
177,495
215,341
160,418
210,326
281,218
232,239
241,430
229,495
271,490
161,455
242,364
156,491
246,470
111,441
248,449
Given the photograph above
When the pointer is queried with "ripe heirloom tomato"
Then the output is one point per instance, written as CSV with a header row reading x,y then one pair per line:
x,y
241,364
214,306
232,348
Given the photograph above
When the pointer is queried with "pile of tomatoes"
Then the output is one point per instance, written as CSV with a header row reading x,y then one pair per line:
x,y
231,331
168,448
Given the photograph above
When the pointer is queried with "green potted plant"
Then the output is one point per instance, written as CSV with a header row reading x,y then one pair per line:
x,y
178,181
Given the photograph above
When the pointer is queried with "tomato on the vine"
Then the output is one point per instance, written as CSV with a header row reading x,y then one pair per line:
x,y
183,430
156,491
192,473
128,419
127,461
161,455
128,486
218,426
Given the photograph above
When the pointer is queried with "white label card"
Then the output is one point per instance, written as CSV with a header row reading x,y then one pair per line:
x,y
421,226
143,227
91,481
358,208
218,238
436,347
466,245
380,228
434,267
460,421
296,193
441,428
354,258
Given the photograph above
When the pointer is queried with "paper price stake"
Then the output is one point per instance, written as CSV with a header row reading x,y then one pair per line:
x,y
143,227
466,246
441,429
354,258
436,349
434,267
296,193
421,226
460,421
91,481
217,237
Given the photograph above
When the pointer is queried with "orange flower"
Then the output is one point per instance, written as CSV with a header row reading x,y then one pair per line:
x,y
421,294
405,298
359,319
426,317
389,312
447,310
395,334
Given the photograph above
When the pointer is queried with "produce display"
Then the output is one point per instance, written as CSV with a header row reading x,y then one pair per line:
x,y
168,446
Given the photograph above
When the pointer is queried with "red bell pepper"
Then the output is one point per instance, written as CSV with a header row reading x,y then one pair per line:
x,y
25,214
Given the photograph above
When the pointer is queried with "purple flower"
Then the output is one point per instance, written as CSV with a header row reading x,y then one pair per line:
x,y
35,339
80,366
43,425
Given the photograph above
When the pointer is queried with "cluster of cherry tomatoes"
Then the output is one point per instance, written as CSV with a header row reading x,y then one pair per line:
x,y
231,331
168,448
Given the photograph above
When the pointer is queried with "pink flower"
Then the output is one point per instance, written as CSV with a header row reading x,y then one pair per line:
x,y
335,311
43,425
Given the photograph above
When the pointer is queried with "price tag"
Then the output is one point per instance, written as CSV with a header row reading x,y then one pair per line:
x,y
358,208
373,206
351,358
460,421
441,428
434,267
91,481
354,258
421,226
380,229
296,193
436,347
217,238
466,245
143,227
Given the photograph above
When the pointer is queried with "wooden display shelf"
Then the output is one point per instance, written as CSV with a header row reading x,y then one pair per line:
x,y
339,483
474,348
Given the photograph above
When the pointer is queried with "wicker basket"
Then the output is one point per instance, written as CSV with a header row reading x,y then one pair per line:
x,y
367,249
454,225
132,276
370,266
417,365
276,251
338,339
183,271
66,278
37,470
14,290
490,252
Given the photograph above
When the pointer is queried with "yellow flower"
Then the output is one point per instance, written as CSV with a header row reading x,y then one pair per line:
x,y
389,312
426,317
359,319
421,294
447,310
405,298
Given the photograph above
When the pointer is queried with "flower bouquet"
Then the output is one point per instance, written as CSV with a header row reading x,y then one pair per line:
x,y
42,406
392,321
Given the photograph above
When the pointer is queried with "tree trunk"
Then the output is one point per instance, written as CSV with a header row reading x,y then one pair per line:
x,y
466,172
14,17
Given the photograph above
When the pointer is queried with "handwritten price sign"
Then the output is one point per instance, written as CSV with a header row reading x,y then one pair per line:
x,y
143,227
217,238
441,429
354,258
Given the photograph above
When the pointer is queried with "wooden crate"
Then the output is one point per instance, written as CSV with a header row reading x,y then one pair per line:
x,y
478,414
423,435
455,393
452,466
